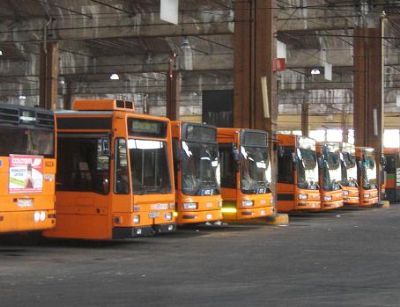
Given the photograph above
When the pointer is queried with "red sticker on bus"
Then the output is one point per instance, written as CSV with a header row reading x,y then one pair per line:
x,y
25,174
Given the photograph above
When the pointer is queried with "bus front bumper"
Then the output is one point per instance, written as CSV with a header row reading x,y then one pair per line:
x,y
307,206
164,228
132,232
194,217
230,214
330,205
351,200
32,220
367,202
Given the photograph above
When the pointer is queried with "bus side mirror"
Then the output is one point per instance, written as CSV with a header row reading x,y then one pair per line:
x,y
105,147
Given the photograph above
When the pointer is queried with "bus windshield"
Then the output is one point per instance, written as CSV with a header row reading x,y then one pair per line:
x,y
149,165
255,170
369,173
307,169
332,175
349,170
200,169
26,141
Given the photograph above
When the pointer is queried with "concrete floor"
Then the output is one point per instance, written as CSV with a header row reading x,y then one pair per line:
x,y
342,258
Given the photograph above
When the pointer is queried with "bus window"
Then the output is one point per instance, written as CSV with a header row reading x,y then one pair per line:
x,y
121,168
83,166
25,141
149,166
285,165
228,168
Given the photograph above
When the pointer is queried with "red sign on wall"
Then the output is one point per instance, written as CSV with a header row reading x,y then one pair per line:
x,y
279,64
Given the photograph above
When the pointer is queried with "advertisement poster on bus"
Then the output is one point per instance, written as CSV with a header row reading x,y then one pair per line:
x,y
26,174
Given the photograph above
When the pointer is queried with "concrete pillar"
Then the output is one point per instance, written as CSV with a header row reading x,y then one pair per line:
x,y
345,126
255,93
254,52
305,127
368,88
174,80
68,96
49,70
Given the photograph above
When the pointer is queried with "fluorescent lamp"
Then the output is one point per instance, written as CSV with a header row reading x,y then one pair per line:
x,y
315,71
114,77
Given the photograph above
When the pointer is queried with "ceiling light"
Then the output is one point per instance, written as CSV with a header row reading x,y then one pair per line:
x,y
315,71
114,77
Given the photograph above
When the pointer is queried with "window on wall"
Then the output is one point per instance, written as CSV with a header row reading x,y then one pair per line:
x,y
318,135
334,135
351,136
391,138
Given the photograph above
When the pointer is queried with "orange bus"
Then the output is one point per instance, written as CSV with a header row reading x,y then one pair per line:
x,y
245,173
392,168
27,169
349,182
114,172
330,175
197,173
297,182
367,176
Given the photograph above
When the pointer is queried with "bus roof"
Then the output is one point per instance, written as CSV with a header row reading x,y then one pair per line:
x,y
103,105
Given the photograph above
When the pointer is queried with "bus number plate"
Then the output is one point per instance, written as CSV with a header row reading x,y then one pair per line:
x,y
154,214
159,207
24,202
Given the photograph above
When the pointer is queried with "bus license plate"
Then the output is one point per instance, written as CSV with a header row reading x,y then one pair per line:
x,y
159,207
24,202
153,215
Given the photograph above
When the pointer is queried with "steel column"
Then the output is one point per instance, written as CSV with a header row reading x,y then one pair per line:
x,y
305,127
49,70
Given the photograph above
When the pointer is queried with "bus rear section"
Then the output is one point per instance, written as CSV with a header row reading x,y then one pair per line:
x,y
297,181
367,176
114,173
245,174
392,169
330,175
27,169
349,183
197,173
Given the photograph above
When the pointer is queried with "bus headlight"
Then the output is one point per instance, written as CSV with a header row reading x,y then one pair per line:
x,y
189,206
42,216
247,203
303,196
168,216
36,216
136,219
327,198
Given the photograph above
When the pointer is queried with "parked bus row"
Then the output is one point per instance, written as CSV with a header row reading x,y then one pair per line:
x,y
121,174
